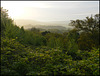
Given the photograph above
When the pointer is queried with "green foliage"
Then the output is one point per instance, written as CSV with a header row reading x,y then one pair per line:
x,y
11,52
45,61
5,20
90,24
35,30
91,40
90,32
21,68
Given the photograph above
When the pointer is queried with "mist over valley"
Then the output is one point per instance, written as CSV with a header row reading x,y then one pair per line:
x,y
60,25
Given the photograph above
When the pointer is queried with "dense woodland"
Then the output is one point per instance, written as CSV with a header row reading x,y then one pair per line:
x,y
32,52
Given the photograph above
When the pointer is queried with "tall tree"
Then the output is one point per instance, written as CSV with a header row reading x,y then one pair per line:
x,y
90,24
89,36
5,20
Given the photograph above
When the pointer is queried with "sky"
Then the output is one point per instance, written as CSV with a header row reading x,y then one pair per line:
x,y
51,10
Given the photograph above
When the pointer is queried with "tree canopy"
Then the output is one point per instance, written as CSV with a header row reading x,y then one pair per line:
x,y
90,24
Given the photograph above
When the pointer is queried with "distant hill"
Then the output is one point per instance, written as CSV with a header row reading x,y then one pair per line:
x,y
47,27
22,22
60,25
53,29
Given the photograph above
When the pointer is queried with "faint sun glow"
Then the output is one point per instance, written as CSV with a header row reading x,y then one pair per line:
x,y
16,9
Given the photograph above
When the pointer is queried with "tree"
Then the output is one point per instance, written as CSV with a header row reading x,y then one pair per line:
x,y
90,24
89,28
36,30
45,32
5,20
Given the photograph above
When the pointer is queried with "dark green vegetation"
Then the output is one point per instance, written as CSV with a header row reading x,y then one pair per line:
x,y
30,52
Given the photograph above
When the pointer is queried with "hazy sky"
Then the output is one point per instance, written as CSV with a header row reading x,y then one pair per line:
x,y
50,10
